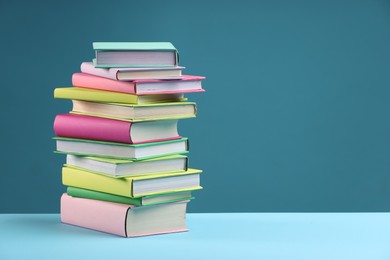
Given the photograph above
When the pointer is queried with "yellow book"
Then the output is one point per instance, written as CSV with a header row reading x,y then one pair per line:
x,y
86,94
133,187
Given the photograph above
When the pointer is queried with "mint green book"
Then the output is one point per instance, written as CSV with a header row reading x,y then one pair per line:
x,y
135,54
133,46
142,201
144,151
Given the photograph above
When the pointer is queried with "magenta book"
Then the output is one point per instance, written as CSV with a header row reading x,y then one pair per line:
x,y
110,130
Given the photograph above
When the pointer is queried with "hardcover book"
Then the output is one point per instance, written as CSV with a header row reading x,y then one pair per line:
x,y
123,219
111,130
141,201
144,151
186,84
124,168
134,187
135,54
129,74
136,113
113,97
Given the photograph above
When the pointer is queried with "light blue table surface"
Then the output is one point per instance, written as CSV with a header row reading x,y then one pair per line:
x,y
347,236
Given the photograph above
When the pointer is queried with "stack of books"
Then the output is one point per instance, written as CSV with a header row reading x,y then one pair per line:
x,y
126,167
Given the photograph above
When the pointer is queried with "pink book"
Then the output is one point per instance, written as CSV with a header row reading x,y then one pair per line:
x,y
110,130
123,219
140,87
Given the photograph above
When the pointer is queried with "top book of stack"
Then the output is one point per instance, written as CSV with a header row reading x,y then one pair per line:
x,y
135,54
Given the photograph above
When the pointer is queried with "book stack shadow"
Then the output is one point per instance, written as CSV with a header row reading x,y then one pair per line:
x,y
127,171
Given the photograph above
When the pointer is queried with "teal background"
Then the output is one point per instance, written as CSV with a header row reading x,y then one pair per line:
x,y
295,117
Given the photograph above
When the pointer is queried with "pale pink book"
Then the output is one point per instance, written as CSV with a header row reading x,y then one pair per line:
x,y
187,84
111,130
130,74
123,219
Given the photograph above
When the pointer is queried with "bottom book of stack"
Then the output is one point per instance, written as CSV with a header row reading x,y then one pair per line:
x,y
124,219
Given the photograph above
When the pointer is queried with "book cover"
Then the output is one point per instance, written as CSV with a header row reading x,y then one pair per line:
x,y
84,147
113,97
136,113
105,129
133,46
94,214
155,86
142,201
123,219
135,54
119,186
119,168
130,74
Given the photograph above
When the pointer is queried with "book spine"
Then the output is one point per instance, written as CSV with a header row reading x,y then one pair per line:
x,y
87,67
94,82
103,216
92,181
92,128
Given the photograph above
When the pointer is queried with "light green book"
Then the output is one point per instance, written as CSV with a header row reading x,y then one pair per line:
x,y
144,151
133,46
135,54
142,201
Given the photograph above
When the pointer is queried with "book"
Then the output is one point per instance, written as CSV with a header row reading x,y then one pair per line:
x,y
124,168
134,187
112,130
113,97
122,219
135,54
120,150
141,201
135,113
186,84
128,74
